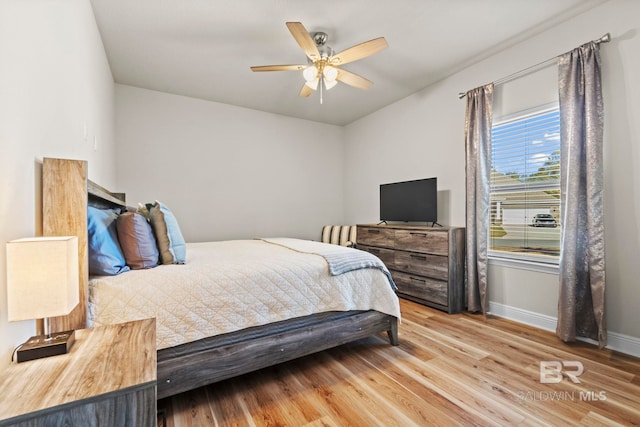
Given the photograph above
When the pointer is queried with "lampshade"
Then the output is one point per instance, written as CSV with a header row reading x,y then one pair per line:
x,y
330,73
312,84
42,277
310,73
328,84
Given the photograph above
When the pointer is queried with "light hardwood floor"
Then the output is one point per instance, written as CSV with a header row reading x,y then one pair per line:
x,y
448,370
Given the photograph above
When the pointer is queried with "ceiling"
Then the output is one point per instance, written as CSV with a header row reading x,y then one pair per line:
x,y
204,48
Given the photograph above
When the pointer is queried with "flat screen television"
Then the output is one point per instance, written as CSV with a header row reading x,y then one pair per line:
x,y
410,201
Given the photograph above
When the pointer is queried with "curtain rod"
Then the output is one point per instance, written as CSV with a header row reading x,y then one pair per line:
x,y
604,39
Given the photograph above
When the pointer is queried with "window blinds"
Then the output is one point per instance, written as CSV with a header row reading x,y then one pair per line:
x,y
525,184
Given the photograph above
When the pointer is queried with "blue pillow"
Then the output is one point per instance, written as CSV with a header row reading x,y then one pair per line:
x,y
105,256
171,243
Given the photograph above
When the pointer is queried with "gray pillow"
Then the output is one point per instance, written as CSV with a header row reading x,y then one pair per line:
x,y
137,241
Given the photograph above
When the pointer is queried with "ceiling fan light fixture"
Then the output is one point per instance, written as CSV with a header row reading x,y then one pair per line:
x,y
310,73
330,73
328,84
312,84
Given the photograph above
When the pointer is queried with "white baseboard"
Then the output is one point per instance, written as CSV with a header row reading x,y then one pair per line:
x,y
615,341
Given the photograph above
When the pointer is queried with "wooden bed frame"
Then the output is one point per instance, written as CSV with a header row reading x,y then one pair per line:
x,y
66,194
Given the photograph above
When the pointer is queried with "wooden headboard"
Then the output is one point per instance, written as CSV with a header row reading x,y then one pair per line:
x,y
66,194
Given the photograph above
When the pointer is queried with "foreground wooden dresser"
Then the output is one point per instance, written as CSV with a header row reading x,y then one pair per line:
x,y
107,379
426,263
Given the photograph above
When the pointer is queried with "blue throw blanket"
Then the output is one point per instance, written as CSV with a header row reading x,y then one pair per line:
x,y
339,258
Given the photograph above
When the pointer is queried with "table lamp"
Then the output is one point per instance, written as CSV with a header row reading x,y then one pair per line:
x,y
42,282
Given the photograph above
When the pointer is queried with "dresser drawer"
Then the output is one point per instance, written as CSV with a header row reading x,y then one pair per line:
x,y
386,255
426,241
373,236
435,291
434,266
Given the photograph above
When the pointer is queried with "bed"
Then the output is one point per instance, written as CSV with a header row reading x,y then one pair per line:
x,y
206,356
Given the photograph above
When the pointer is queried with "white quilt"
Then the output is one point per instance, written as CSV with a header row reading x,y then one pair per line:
x,y
231,285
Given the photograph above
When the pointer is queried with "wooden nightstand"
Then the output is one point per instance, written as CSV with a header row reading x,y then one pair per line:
x,y
107,379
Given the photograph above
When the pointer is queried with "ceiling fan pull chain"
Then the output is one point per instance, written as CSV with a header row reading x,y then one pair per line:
x,y
321,84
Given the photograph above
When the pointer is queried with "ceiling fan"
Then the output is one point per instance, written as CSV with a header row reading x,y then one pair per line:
x,y
322,68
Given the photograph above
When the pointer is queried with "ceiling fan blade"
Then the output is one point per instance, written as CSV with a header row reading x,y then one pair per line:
x,y
353,79
304,40
359,51
306,90
278,67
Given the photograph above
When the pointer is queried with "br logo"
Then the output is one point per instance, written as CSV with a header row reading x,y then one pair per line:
x,y
551,372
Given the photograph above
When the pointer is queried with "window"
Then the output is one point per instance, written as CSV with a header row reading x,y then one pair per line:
x,y
525,187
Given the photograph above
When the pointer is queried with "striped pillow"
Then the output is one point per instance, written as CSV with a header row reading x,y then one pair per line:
x,y
344,235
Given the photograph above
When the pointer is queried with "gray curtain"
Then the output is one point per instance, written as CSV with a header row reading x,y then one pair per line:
x,y
581,305
478,175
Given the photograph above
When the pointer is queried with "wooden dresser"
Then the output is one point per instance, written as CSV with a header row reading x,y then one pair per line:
x,y
426,263
107,379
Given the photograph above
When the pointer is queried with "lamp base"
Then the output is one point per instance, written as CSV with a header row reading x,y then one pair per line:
x,y
44,346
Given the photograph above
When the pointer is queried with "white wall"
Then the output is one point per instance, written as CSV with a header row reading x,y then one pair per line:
x,y
228,172
422,136
54,78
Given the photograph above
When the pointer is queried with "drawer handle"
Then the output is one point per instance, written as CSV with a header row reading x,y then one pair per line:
x,y
419,234
373,231
415,279
419,257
